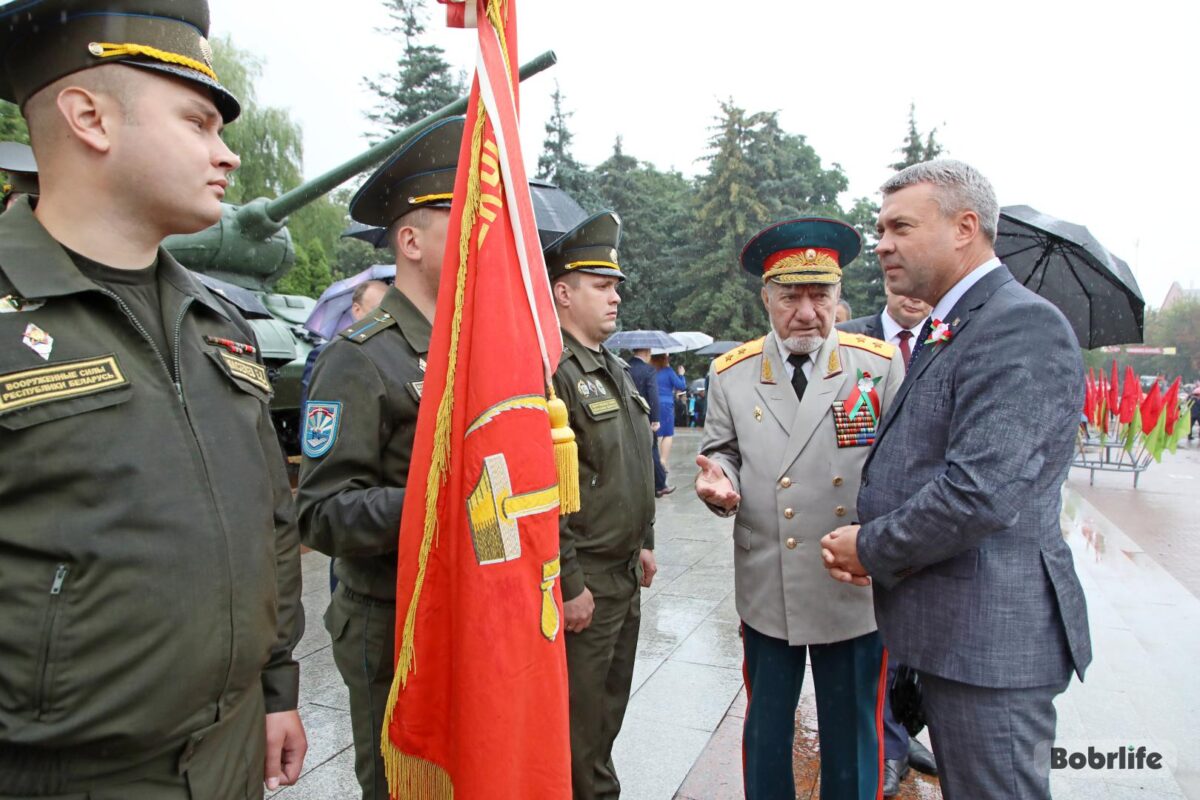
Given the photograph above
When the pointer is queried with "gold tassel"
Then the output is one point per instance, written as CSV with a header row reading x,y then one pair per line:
x,y
566,456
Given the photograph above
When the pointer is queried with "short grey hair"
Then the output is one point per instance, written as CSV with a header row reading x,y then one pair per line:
x,y
959,187
846,306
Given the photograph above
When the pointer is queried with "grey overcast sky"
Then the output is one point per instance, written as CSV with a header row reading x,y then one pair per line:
x,y
1084,110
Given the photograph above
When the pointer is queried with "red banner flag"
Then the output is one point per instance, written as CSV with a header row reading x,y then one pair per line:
x,y
1114,389
1152,406
1089,397
1172,401
1131,397
479,705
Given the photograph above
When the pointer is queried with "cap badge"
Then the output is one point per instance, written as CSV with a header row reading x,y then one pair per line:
x,y
206,52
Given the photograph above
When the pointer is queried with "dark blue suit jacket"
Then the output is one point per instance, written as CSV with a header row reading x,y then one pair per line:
x,y
868,326
646,381
961,496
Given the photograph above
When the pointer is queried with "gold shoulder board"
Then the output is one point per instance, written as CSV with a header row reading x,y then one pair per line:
x,y
876,346
740,353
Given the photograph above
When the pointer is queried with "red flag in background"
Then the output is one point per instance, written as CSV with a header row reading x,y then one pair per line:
x,y
1172,401
1089,397
1131,397
479,705
1152,406
1114,389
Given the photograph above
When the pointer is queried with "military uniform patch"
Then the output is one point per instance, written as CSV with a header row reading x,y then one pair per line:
x,y
321,422
604,406
59,381
250,371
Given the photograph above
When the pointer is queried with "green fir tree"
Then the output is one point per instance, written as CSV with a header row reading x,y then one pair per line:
x,y
917,148
557,164
423,81
654,207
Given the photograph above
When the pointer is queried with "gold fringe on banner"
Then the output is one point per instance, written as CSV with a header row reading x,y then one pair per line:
x,y
566,456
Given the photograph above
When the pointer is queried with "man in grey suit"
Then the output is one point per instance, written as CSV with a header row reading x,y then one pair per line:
x,y
974,586
790,419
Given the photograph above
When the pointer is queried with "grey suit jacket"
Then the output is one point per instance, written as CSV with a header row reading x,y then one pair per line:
x,y
961,496
868,326
796,483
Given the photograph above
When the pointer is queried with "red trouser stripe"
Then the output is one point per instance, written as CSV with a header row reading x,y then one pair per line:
x,y
880,699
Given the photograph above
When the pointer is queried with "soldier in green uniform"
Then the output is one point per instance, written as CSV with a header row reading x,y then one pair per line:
x,y
17,162
149,556
607,546
359,424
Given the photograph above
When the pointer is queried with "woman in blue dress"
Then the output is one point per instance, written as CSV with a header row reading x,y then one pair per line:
x,y
670,381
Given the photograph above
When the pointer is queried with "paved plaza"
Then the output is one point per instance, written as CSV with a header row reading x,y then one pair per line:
x,y
1138,557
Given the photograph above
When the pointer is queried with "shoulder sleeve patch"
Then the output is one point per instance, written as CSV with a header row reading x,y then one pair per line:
x,y
368,326
739,353
864,342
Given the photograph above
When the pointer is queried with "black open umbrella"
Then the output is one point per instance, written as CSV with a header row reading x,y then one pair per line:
x,y
556,211
1064,263
717,348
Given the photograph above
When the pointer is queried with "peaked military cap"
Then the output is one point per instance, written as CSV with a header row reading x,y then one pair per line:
x,y
44,40
420,175
17,161
591,246
804,250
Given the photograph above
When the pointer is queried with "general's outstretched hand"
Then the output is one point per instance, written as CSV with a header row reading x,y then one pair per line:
x,y
712,485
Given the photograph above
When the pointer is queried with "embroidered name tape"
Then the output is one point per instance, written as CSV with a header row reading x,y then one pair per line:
x,y
59,381
249,371
604,406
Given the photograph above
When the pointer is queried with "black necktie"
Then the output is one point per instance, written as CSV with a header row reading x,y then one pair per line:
x,y
799,382
922,337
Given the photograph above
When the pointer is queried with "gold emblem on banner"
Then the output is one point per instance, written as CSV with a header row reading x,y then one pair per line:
x,y
550,616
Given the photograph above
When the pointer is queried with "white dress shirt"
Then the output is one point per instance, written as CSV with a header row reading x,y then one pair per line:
x,y
951,298
891,329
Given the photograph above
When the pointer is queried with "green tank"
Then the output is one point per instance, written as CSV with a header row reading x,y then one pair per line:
x,y
250,249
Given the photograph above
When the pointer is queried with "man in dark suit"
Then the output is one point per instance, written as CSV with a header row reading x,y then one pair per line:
x,y
974,586
898,324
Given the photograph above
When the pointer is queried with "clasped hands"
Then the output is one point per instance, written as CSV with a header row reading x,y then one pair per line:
x,y
839,553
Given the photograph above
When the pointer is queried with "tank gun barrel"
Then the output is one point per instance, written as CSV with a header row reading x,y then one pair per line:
x,y
260,218
250,246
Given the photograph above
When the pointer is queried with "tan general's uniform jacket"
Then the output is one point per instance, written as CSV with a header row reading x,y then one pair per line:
x,y
149,557
796,483
352,488
612,429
